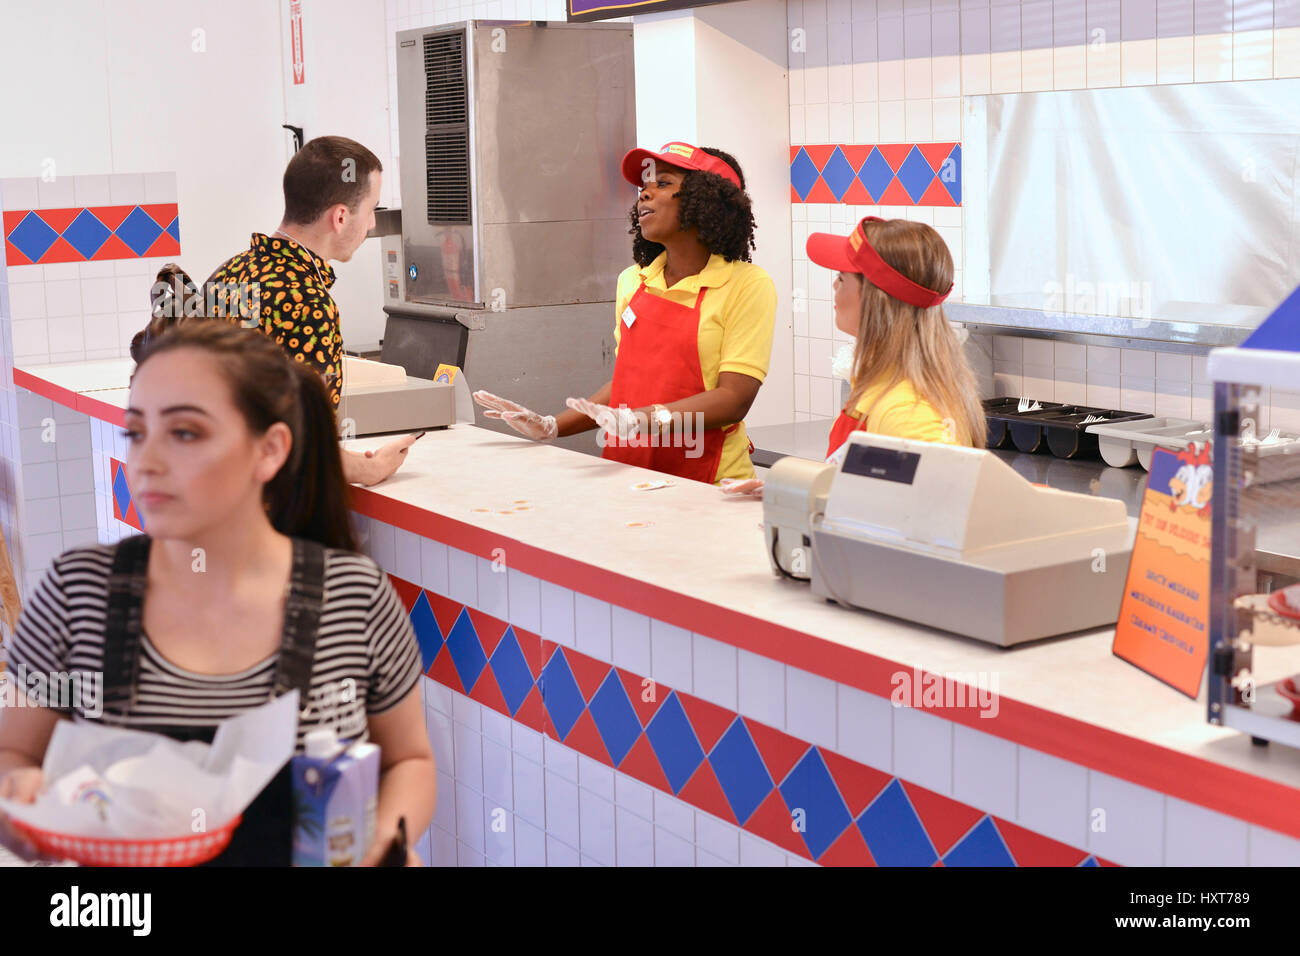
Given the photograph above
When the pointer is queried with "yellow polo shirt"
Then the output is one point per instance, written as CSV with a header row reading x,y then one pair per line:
x,y
904,414
737,318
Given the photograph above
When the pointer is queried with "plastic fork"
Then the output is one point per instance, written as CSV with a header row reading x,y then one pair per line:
x,y
1028,405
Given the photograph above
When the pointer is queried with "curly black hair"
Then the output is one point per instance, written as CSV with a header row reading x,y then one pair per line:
x,y
717,208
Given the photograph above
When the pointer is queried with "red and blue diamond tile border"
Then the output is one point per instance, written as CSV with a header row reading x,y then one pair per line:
x,y
91,233
806,799
887,174
123,507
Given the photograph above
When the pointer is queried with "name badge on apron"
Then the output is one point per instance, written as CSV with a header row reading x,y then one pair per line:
x,y
629,317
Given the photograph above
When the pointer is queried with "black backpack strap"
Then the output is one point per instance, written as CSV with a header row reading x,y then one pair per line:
x,y
126,586
302,610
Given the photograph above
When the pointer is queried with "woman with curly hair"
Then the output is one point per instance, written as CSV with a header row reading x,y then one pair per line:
x,y
693,328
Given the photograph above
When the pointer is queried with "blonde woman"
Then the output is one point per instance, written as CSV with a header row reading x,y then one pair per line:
x,y
910,378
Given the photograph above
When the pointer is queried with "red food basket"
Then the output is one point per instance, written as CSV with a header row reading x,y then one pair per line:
x,y
188,850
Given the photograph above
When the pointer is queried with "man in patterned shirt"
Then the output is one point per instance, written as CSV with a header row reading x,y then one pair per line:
x,y
331,189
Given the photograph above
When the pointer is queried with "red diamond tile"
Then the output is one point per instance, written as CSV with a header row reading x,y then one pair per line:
x,y
858,784
857,195
408,592
819,155
132,517
14,216
488,693
444,671
896,195
794,153
849,850
820,192
856,155
532,713
548,648
58,219
161,213
779,751
531,645
488,629
894,154
587,671
935,153
794,197
704,791
445,611
113,216
1033,849
62,251
1101,862
585,738
636,693
113,248
14,257
936,195
772,821
642,764
709,720
946,821
164,245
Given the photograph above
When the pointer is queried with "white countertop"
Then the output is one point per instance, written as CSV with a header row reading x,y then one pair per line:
x,y
710,547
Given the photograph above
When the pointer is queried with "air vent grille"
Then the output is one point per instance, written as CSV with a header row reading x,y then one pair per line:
x,y
446,139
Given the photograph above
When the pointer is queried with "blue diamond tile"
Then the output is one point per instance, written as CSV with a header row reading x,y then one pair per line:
x,y
875,175
983,846
615,718
915,174
511,670
174,228
86,233
674,742
953,181
740,770
809,787
1091,861
803,174
560,694
838,173
893,832
121,494
426,630
33,236
466,650
139,231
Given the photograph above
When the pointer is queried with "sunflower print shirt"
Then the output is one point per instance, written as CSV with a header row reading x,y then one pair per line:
x,y
296,308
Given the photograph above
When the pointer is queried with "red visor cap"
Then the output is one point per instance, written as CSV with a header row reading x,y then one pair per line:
x,y
681,155
853,253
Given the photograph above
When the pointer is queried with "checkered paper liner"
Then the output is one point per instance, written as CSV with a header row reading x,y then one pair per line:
x,y
188,850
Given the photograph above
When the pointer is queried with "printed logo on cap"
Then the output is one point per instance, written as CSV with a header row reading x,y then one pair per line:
x,y
855,239
679,149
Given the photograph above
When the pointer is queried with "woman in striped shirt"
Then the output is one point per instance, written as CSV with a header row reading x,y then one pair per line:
x,y
246,587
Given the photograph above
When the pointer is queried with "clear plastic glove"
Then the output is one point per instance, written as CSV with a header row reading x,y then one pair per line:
x,y
742,486
525,421
620,423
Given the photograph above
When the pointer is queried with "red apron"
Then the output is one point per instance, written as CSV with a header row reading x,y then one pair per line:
x,y
843,427
658,363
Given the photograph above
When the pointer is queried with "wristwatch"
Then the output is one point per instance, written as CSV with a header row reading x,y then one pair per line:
x,y
662,418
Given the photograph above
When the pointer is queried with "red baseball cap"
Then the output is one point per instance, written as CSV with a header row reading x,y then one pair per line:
x,y
681,155
853,253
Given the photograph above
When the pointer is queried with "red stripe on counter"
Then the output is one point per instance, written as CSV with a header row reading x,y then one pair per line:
x,y
70,399
1203,782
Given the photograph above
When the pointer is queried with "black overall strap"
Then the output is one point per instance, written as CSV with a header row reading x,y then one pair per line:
x,y
302,608
124,624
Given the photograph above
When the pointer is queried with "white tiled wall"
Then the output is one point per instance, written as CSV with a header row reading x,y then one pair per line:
x,y
889,71
63,312
561,808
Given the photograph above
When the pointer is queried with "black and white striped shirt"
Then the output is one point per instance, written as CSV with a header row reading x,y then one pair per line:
x,y
367,658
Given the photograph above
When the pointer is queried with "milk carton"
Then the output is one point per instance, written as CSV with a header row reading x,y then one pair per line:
x,y
335,798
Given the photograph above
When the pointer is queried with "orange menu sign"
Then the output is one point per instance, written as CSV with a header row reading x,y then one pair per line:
x,y
1163,623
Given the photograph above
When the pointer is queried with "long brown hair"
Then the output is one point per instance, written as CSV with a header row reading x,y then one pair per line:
x,y
900,342
308,497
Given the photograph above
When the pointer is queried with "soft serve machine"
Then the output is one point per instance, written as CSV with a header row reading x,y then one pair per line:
x,y
948,537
